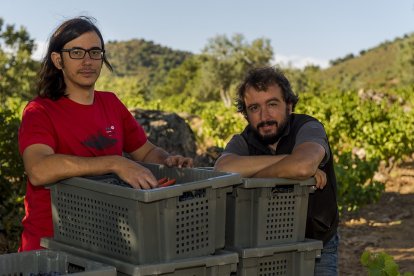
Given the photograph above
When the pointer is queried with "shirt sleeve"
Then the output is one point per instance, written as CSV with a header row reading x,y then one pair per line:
x,y
237,145
314,132
36,128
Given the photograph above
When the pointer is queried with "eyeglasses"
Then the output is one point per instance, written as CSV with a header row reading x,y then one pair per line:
x,y
79,53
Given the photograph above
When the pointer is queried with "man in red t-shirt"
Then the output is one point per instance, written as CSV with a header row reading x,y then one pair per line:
x,y
72,130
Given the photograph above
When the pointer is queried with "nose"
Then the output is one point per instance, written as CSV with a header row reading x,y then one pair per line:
x,y
87,58
264,114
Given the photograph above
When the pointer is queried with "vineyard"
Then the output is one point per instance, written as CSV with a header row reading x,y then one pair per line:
x,y
365,130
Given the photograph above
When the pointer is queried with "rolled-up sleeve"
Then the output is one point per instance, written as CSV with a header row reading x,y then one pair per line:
x,y
314,132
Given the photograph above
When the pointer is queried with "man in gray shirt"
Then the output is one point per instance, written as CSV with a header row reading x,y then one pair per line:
x,y
280,143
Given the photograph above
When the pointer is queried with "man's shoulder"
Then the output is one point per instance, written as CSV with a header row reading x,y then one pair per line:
x,y
38,103
105,94
237,137
107,97
301,120
303,117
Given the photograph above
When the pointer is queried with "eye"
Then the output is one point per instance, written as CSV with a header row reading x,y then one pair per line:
x,y
273,104
253,108
77,52
95,52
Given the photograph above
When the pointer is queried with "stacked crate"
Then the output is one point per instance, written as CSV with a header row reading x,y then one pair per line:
x,y
265,225
51,262
176,230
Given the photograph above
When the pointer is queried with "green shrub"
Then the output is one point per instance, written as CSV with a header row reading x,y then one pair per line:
x,y
12,180
381,264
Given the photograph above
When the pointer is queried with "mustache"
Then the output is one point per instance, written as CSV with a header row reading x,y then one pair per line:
x,y
87,70
266,123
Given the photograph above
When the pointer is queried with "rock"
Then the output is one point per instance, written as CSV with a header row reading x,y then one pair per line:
x,y
168,131
172,133
209,157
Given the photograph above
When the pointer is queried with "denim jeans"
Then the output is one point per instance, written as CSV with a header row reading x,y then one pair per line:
x,y
327,264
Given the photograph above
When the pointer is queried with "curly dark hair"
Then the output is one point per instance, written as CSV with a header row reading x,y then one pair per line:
x,y
260,79
51,83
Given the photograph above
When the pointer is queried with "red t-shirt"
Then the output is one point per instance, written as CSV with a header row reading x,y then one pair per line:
x,y
104,128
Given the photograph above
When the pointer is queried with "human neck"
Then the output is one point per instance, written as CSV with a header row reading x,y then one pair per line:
x,y
81,96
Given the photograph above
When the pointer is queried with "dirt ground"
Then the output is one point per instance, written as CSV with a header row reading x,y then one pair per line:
x,y
387,225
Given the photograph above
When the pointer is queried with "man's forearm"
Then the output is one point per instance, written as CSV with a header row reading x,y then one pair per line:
x,y
289,167
56,167
157,155
301,164
247,166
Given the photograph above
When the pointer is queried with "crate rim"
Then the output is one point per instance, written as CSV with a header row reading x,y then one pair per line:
x,y
263,251
98,267
224,257
251,183
222,180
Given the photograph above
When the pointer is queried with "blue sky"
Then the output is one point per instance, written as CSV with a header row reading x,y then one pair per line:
x,y
301,31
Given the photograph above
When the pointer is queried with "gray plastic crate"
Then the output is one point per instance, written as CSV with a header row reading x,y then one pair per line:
x,y
223,263
51,262
144,226
264,212
288,259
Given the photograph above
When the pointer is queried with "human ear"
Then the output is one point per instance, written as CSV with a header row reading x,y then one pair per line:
x,y
57,60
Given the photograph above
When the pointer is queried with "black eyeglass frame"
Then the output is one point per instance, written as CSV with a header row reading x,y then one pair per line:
x,y
102,52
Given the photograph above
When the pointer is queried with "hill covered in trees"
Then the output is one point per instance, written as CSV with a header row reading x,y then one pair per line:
x,y
144,58
388,65
165,72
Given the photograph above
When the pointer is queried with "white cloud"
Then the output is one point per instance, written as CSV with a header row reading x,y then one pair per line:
x,y
299,61
41,49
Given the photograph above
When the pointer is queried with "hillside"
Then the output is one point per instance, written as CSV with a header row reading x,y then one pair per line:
x,y
389,65
142,58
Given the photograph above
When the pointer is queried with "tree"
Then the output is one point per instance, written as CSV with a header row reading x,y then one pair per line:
x,y
143,59
180,80
17,69
215,73
227,60
12,186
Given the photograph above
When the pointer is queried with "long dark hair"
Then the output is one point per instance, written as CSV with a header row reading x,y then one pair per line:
x,y
51,83
260,79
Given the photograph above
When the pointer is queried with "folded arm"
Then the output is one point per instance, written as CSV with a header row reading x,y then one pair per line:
x,y
246,166
43,166
301,164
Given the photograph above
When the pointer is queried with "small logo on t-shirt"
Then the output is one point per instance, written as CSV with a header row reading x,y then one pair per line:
x,y
110,130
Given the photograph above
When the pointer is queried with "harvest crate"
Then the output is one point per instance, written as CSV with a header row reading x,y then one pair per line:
x,y
287,259
264,212
223,263
144,226
50,262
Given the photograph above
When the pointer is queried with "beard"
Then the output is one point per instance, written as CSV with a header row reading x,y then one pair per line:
x,y
272,138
